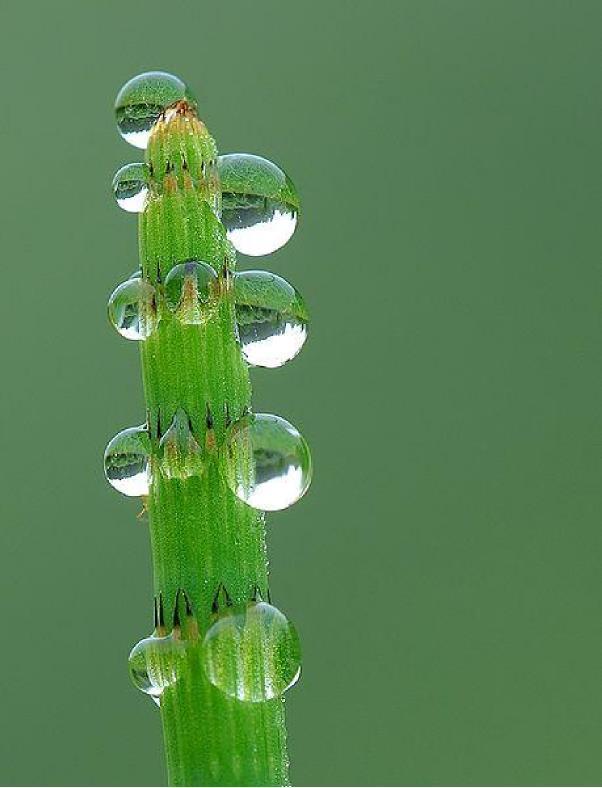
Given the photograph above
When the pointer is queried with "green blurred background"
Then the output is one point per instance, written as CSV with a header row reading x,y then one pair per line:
x,y
445,569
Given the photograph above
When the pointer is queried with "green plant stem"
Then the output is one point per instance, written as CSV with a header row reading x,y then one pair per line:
x,y
201,534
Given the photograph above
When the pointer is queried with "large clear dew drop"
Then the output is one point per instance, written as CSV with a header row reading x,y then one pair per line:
x,y
127,462
130,187
252,653
144,99
154,664
190,290
271,318
260,204
132,309
266,462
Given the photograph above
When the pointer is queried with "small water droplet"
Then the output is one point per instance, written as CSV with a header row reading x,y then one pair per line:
x,y
127,461
142,101
260,204
180,453
154,664
266,462
130,187
271,318
252,653
132,308
189,291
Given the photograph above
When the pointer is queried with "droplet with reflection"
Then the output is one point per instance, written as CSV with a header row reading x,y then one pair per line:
x,y
190,291
132,308
154,664
266,462
271,317
127,461
252,653
260,204
130,187
144,99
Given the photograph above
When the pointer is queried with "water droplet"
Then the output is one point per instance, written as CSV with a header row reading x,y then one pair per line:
x,y
180,453
132,308
266,462
142,101
130,187
190,290
154,664
126,460
271,318
252,654
260,205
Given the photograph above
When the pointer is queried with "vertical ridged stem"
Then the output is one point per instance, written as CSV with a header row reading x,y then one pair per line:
x,y
201,534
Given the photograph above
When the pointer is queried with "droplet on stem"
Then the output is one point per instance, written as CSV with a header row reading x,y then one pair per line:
x,y
190,290
271,318
144,99
252,653
130,187
154,664
180,455
260,204
127,461
266,462
132,308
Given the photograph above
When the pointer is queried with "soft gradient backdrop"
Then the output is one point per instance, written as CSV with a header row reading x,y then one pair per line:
x,y
445,570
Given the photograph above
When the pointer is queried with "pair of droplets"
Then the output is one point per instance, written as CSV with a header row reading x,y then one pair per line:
x,y
265,461
250,653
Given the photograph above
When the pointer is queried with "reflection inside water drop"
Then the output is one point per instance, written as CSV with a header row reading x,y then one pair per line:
x,y
266,462
263,232
154,664
271,318
259,203
130,187
142,101
252,653
189,288
132,309
127,461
